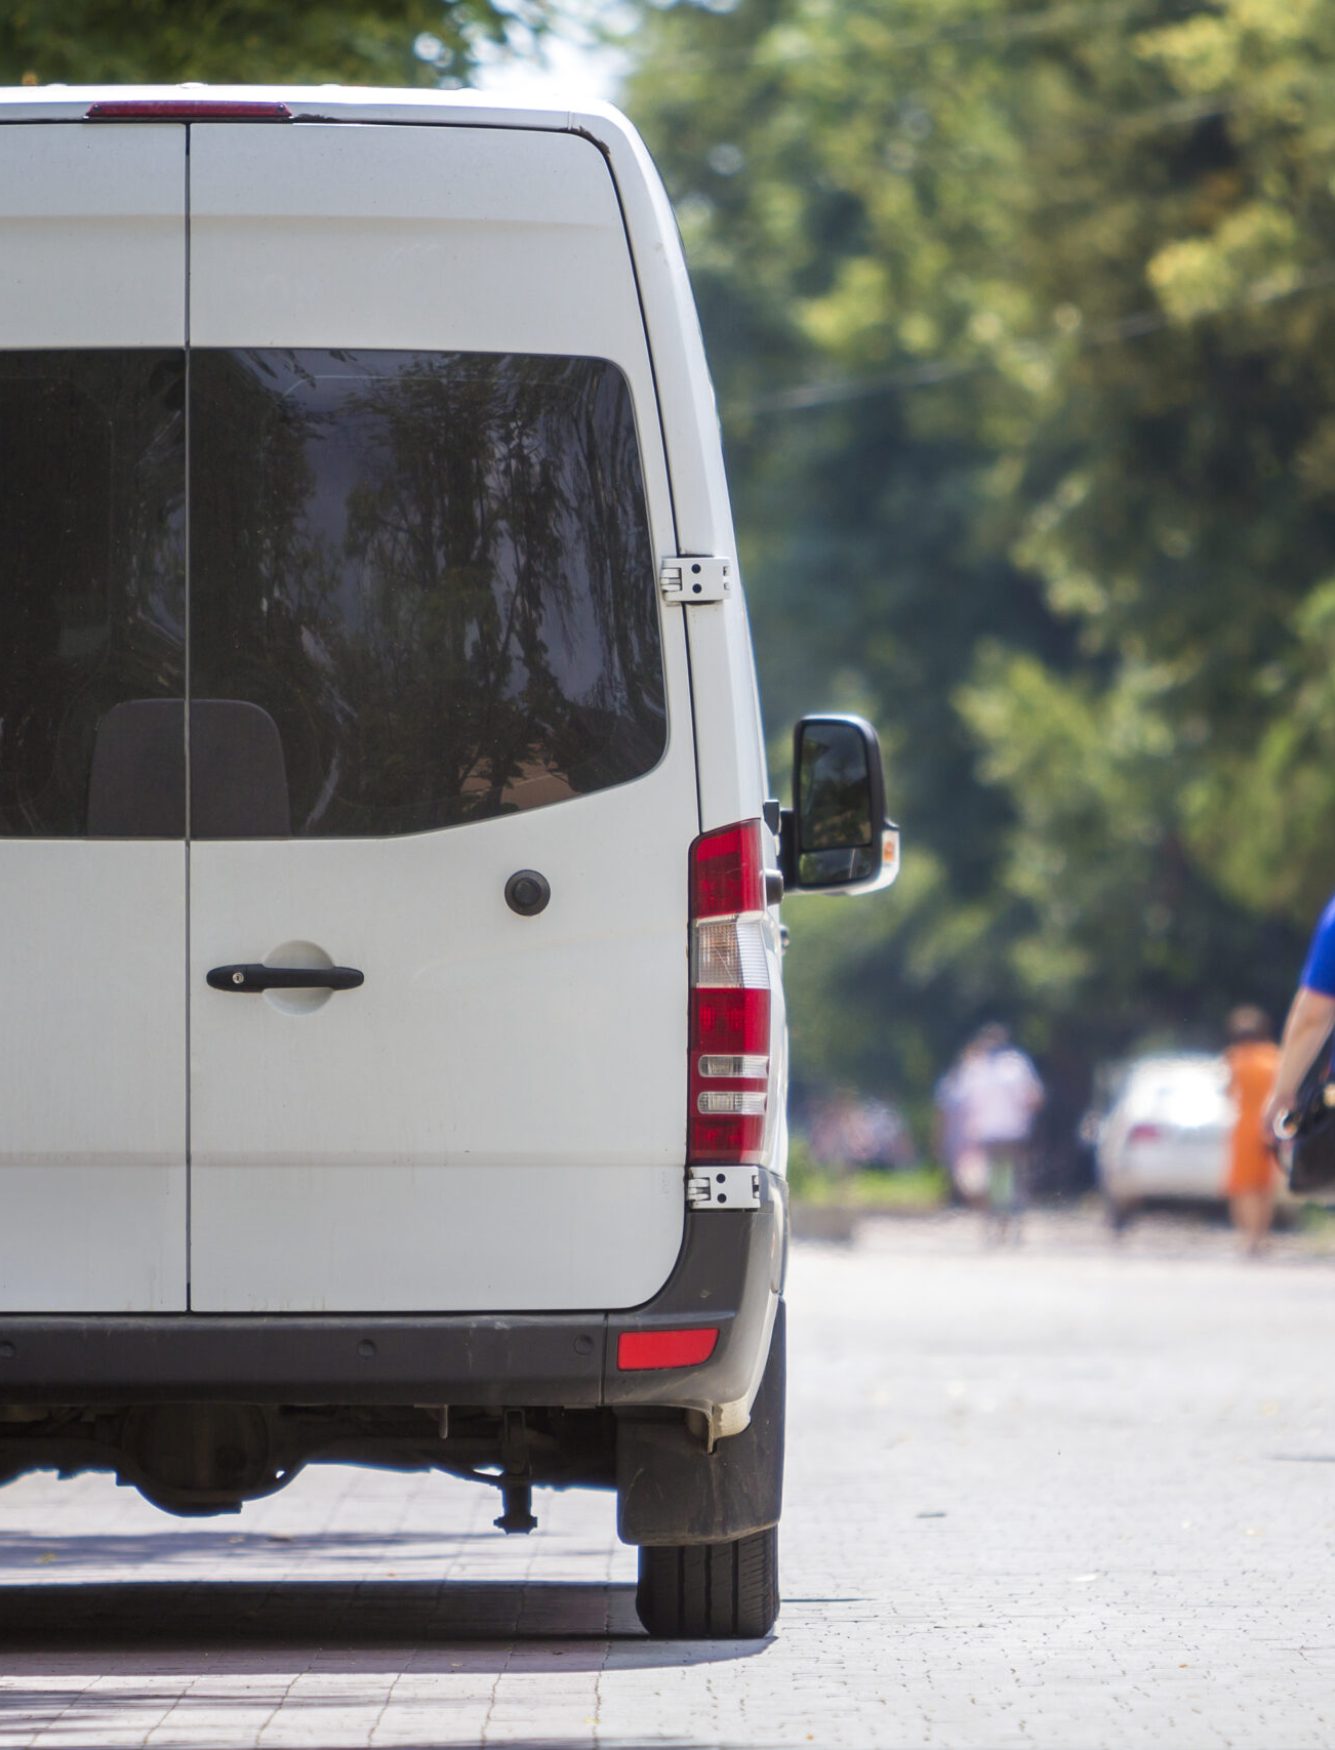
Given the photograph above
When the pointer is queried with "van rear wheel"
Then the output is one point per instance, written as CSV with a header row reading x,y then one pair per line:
x,y
710,1591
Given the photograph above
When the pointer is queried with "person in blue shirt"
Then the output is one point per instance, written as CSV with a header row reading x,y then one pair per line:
x,y
1311,1016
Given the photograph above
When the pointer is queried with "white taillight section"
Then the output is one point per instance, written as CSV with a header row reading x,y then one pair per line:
x,y
730,998
744,1105
730,955
735,1068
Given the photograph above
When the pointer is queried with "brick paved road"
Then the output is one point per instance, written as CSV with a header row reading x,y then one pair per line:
x,y
1071,1495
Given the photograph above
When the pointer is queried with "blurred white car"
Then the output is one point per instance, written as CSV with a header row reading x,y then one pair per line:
x,y
1166,1133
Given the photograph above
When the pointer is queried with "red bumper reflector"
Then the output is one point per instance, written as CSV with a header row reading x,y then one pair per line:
x,y
637,1350
186,109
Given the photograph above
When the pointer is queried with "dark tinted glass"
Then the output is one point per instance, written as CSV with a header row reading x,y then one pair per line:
x,y
836,827
92,478
432,572
834,791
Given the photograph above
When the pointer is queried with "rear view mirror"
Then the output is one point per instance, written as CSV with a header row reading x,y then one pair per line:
x,y
839,839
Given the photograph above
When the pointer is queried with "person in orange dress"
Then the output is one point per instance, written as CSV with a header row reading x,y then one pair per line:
x,y
1252,1059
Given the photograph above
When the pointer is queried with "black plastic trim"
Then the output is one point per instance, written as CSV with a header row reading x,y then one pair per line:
x,y
672,1490
282,1359
728,1274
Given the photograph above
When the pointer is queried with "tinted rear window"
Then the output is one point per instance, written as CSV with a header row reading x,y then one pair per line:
x,y
92,566
421,591
433,571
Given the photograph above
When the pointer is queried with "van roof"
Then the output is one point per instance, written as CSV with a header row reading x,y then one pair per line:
x,y
351,103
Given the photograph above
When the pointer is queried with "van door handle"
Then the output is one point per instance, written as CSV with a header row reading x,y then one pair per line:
x,y
243,979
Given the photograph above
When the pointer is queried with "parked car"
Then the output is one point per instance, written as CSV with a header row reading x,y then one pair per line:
x,y
394,1060
1165,1135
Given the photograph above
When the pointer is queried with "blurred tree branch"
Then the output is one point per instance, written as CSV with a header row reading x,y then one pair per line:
x,y
1024,318
388,42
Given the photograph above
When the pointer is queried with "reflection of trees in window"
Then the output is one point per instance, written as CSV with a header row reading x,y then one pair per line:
x,y
92,477
259,574
834,789
448,558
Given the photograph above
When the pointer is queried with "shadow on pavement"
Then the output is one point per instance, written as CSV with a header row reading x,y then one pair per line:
x,y
104,1550
230,1628
659,1741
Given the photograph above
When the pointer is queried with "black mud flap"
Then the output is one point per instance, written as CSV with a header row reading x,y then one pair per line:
x,y
670,1490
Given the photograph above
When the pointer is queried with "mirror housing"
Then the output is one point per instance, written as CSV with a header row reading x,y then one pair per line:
x,y
835,838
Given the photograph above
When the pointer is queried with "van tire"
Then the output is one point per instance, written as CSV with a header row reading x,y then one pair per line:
x,y
710,1591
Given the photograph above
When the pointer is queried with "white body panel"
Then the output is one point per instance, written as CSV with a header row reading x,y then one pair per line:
x,y
465,238
92,1088
92,1077
496,1119
92,223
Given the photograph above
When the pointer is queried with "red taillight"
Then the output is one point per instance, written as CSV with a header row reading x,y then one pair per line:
x,y
728,872
731,1024
637,1350
730,999
729,1078
187,109
1144,1133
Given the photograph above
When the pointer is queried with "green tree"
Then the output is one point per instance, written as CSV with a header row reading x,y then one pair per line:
x,y
1022,319
388,42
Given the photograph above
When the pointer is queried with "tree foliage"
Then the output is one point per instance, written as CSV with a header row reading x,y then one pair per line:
x,y
1023,319
364,42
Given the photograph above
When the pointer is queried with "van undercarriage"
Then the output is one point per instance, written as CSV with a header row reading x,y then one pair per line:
x,y
199,1459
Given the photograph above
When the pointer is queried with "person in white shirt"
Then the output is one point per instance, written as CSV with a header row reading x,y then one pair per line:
x,y
998,1095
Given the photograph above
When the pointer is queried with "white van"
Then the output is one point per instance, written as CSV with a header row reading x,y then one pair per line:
x,y
393,1062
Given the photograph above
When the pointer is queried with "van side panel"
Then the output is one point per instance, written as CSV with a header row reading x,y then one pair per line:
x,y
724,693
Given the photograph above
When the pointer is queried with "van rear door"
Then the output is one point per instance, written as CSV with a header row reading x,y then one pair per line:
x,y
428,653
92,660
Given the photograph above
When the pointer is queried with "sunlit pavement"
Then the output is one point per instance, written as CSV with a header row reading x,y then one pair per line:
x,y
1076,1492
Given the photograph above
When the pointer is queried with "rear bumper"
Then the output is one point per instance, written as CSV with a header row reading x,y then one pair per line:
x,y
728,1274
1194,1174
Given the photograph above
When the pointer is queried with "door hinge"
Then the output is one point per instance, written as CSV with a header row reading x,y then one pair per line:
x,y
695,578
723,1188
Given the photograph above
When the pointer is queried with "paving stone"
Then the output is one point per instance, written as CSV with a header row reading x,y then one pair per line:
x,y
1075,1493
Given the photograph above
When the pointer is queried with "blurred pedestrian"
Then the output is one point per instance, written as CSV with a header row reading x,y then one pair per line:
x,y
1252,1059
1000,1095
966,1168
